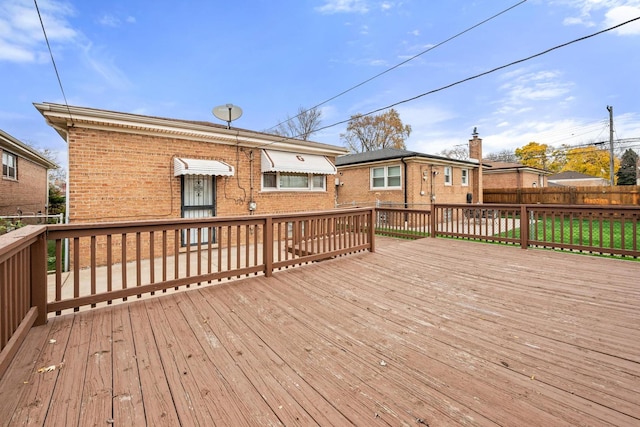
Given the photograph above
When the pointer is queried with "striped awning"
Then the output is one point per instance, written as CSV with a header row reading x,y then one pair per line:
x,y
201,167
283,161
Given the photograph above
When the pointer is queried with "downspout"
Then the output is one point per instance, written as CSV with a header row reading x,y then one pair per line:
x,y
406,215
405,184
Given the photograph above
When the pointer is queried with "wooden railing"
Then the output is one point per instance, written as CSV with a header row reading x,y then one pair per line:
x,y
403,223
111,262
23,272
603,230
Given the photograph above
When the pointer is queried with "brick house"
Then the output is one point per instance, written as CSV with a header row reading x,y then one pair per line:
x,y
512,175
407,178
128,167
24,188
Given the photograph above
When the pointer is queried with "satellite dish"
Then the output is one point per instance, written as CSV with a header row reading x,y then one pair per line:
x,y
228,113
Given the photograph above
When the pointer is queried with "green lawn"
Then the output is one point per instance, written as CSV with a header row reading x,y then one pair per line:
x,y
606,234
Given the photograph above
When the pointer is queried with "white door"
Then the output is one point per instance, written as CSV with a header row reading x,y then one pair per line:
x,y
198,201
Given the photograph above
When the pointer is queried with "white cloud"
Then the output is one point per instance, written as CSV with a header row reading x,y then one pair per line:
x,y
343,6
21,36
522,88
604,13
621,14
109,20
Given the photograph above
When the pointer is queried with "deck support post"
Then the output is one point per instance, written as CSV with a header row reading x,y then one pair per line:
x,y
267,247
372,230
524,227
38,255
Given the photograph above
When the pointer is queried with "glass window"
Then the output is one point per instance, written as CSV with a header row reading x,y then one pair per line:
x,y
269,180
393,178
293,181
319,182
9,162
465,177
386,177
377,178
447,175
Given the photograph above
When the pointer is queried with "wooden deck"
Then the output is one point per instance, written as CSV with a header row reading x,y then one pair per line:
x,y
428,332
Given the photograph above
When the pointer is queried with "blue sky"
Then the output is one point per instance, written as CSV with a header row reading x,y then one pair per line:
x,y
181,59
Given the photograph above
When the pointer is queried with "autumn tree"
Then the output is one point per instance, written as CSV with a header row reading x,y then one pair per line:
x,y
628,172
534,155
590,161
374,132
302,125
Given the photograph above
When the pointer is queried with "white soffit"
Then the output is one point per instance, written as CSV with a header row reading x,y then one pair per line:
x,y
283,161
201,167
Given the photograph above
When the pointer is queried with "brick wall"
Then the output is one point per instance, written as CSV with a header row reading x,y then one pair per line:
x,y
513,179
116,176
29,193
356,186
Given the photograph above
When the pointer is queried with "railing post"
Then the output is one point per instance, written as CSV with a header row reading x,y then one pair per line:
x,y
268,247
524,227
432,221
38,267
372,230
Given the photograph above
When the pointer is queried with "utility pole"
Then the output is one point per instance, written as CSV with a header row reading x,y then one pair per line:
x,y
610,110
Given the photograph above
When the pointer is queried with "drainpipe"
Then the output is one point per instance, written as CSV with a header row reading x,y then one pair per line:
x,y
406,215
405,183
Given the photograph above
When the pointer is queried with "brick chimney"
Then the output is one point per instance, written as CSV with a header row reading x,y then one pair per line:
x,y
475,152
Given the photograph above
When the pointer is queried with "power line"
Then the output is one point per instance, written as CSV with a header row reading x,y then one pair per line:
x,y
53,60
493,70
401,63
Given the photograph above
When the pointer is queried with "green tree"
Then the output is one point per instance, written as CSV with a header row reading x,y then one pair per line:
x,y
373,132
628,172
56,200
590,161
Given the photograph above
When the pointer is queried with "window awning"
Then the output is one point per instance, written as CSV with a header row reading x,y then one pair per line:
x,y
282,161
201,167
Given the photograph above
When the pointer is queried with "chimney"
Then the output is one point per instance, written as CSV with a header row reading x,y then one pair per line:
x,y
475,146
475,152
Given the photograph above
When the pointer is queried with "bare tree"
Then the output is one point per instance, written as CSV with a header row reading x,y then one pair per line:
x,y
459,152
374,132
505,155
302,125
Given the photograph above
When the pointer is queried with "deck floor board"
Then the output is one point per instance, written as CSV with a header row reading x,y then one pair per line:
x,y
430,332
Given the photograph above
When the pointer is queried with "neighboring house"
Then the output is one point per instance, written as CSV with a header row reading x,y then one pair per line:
x,y
24,188
407,178
512,175
576,179
130,167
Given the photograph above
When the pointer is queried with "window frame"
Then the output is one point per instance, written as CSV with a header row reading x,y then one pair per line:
x,y
464,177
311,182
448,175
5,166
385,177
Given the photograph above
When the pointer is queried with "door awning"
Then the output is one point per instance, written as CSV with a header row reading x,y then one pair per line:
x,y
201,167
282,161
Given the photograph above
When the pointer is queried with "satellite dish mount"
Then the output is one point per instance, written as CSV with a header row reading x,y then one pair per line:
x,y
228,113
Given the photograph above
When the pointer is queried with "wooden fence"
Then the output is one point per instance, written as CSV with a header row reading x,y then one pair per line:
x,y
607,195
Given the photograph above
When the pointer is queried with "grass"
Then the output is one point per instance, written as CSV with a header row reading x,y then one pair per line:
x,y
51,254
605,234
